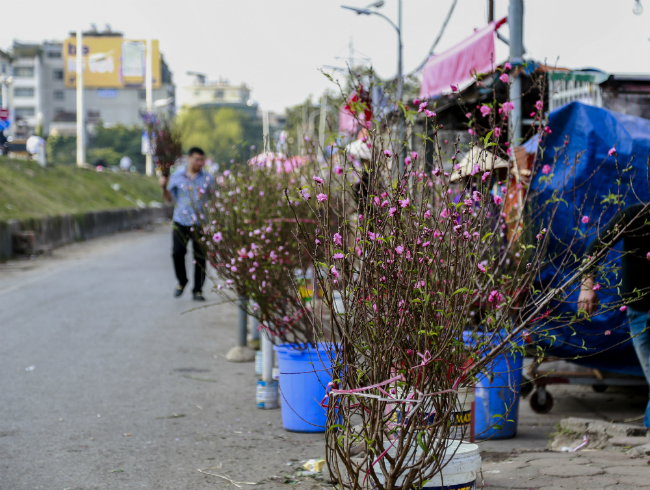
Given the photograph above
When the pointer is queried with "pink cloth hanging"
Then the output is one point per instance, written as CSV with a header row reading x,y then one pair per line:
x,y
456,65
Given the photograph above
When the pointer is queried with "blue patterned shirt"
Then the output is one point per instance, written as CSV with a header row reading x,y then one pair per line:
x,y
190,195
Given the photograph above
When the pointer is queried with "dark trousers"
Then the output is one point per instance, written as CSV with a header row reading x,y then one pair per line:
x,y
181,235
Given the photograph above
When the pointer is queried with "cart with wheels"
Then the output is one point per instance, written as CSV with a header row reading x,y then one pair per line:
x,y
541,401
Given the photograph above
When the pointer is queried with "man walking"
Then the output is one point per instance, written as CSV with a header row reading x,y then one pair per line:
x,y
188,188
632,225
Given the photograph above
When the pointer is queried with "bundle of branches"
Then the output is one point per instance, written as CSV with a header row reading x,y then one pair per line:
x,y
165,142
250,241
436,281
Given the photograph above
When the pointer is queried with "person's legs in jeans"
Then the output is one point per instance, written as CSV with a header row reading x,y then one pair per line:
x,y
640,333
180,237
199,263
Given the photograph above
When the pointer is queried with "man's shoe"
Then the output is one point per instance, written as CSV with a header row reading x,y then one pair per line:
x,y
178,291
199,296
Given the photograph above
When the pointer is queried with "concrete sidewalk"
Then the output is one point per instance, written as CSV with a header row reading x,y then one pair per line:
x,y
107,384
587,470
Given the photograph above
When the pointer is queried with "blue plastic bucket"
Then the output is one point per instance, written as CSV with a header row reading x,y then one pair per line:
x,y
303,380
497,402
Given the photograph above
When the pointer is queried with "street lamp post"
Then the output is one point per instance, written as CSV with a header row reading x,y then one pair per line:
x,y
5,81
81,126
516,21
149,167
400,83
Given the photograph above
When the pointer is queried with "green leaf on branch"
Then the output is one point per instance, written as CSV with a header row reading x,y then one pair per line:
x,y
421,442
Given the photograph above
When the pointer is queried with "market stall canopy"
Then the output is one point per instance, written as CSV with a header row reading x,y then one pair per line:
x,y
456,65
480,158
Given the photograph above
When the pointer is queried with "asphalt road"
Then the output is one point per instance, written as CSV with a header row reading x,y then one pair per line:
x,y
106,384
98,388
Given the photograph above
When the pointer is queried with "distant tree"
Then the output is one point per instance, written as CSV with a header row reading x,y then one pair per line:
x,y
108,155
122,140
223,133
108,143
61,150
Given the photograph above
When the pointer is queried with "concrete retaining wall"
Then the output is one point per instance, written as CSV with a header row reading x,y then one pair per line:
x,y
59,230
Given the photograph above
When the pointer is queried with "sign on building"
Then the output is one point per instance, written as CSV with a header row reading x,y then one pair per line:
x,y
110,62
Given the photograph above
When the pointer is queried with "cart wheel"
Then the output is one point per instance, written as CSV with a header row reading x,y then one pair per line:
x,y
526,387
536,398
599,388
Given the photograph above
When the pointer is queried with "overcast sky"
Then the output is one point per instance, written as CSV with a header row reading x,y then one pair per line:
x,y
278,46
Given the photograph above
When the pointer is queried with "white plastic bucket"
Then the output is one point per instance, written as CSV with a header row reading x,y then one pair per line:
x,y
461,417
267,394
463,462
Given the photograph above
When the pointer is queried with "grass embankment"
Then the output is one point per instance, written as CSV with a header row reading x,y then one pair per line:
x,y
29,191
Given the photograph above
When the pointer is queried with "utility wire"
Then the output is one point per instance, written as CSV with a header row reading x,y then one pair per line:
x,y
435,43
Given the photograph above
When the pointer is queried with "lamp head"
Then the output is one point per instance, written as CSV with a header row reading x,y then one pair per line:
x,y
638,8
358,10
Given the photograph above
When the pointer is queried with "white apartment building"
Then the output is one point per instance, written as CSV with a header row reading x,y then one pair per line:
x,y
39,98
221,93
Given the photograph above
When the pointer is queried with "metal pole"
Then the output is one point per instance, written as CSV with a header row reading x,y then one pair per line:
x,y
267,359
149,99
516,21
490,11
5,95
323,122
265,131
255,330
243,321
81,130
400,88
303,127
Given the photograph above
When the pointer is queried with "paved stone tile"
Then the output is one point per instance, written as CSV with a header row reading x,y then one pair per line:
x,y
635,481
558,461
538,455
623,486
585,482
504,465
499,481
606,455
571,470
629,441
630,471
628,462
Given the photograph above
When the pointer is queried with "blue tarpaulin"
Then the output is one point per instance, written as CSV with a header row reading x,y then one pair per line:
x,y
590,132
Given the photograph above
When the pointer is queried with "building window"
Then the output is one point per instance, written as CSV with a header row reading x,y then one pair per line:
x,y
59,95
24,71
23,91
58,74
25,111
54,54
218,94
